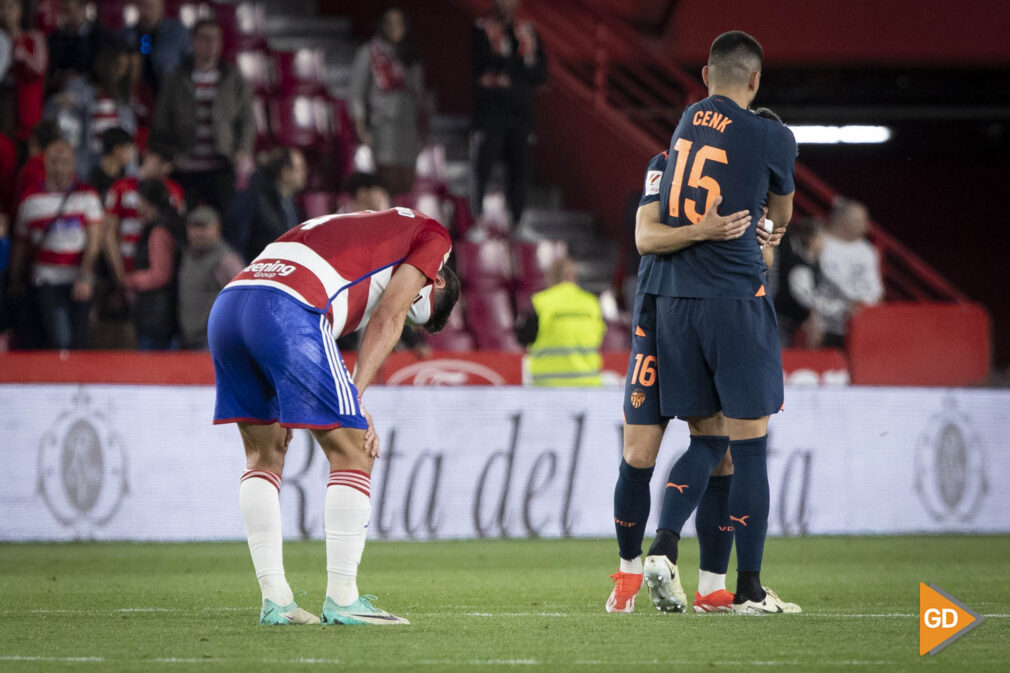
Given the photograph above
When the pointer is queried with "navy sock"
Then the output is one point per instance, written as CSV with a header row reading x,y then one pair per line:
x,y
748,503
631,508
715,532
688,479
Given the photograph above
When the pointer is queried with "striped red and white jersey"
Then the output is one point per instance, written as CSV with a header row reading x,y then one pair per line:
x,y
203,156
121,202
340,265
57,236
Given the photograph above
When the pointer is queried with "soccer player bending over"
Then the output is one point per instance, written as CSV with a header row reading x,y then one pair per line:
x,y
706,345
272,336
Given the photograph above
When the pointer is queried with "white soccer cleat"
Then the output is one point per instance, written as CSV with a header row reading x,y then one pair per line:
x,y
771,605
663,581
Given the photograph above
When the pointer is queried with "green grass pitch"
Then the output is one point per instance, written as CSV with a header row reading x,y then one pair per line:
x,y
491,605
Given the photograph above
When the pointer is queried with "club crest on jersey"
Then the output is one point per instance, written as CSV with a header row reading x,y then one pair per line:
x,y
270,269
637,397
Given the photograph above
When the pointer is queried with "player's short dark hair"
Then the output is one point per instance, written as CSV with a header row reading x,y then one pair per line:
x,y
734,56
443,301
765,113
361,180
115,137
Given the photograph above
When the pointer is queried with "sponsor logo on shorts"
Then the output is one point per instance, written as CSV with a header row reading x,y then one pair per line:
x,y
270,269
637,397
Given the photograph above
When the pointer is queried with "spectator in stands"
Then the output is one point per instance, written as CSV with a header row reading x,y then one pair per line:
x,y
87,106
266,209
387,100
123,224
22,89
367,193
118,153
159,43
204,111
805,300
74,47
8,174
33,172
152,281
850,264
57,230
508,65
207,265
564,332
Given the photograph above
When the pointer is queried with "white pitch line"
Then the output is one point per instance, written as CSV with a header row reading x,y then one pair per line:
x,y
18,657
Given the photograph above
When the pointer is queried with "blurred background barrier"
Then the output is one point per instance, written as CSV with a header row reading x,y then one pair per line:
x,y
145,463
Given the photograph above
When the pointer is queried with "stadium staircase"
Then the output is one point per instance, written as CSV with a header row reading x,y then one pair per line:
x,y
605,68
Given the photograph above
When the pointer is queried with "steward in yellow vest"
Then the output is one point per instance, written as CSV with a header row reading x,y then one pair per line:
x,y
569,332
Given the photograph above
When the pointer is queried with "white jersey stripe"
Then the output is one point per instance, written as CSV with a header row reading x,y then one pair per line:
x,y
327,337
302,254
345,376
258,282
339,372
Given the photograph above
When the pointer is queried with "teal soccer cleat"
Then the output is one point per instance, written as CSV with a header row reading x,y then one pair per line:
x,y
289,615
360,612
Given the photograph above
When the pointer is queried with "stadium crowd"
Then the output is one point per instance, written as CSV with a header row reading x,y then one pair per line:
x,y
136,178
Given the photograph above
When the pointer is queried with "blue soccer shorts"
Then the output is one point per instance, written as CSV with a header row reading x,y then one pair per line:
x,y
277,361
718,355
641,389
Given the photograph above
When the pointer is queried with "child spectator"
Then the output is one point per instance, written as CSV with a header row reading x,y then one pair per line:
x,y
45,133
118,152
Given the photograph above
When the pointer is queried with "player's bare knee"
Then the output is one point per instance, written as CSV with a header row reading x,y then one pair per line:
x,y
724,467
641,444
345,449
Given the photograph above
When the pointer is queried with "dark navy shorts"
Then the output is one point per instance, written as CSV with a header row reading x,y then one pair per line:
x,y
694,357
277,361
641,389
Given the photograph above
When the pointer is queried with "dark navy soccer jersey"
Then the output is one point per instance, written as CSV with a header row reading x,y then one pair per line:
x,y
650,194
720,149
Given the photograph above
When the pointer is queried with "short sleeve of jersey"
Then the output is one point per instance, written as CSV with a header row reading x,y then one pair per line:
x,y
429,249
782,159
653,176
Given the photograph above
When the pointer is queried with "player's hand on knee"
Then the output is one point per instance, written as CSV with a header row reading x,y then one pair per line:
x,y
716,227
371,436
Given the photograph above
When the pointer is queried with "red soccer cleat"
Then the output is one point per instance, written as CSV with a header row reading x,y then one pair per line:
x,y
717,601
626,586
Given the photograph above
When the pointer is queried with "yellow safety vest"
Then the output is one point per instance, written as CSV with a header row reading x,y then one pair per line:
x,y
570,331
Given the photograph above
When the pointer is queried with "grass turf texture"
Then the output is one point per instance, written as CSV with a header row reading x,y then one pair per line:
x,y
487,605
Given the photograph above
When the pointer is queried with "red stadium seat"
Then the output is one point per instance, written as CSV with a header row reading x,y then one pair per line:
x,y
258,69
241,25
296,121
430,173
264,139
301,72
484,265
490,319
454,337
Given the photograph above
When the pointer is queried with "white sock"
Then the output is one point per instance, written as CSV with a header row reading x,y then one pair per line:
x,y
709,582
348,509
633,566
259,500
